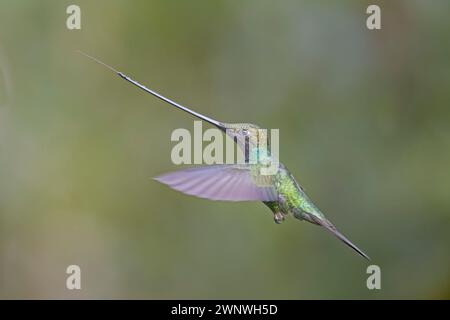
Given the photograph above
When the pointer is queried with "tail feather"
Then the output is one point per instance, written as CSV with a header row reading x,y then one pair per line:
x,y
331,228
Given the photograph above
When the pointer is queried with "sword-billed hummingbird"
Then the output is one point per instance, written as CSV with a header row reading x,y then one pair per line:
x,y
243,182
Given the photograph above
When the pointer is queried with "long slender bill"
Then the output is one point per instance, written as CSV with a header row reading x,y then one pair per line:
x,y
216,123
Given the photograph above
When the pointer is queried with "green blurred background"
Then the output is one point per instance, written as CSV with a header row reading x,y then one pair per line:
x,y
364,126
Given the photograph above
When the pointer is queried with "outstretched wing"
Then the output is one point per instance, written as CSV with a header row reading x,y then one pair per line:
x,y
221,182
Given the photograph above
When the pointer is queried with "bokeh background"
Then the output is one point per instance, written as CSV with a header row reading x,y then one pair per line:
x,y
364,126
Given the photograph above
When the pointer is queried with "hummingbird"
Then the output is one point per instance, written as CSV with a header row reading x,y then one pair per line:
x,y
280,191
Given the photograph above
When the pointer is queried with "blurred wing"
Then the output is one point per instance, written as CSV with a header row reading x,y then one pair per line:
x,y
221,182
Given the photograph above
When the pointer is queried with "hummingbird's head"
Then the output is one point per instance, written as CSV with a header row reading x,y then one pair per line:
x,y
243,132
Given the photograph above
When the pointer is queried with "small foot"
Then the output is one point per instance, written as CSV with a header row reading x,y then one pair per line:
x,y
278,217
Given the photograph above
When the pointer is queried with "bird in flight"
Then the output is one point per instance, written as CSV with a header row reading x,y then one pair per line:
x,y
244,182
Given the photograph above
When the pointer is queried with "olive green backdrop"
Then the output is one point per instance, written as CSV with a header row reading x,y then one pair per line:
x,y
364,125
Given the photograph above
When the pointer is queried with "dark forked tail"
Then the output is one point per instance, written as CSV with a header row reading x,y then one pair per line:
x,y
331,228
